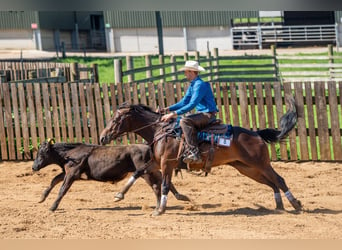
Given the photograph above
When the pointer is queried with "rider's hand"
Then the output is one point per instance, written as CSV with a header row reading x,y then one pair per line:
x,y
168,117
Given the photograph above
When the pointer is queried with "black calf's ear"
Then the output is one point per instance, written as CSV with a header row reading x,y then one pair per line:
x,y
51,141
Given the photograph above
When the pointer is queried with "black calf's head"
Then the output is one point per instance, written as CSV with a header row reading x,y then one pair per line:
x,y
44,155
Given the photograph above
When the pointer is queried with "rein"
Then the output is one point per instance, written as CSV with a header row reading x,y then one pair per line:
x,y
141,128
146,126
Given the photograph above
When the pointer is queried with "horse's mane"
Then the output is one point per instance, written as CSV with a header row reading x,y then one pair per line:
x,y
141,107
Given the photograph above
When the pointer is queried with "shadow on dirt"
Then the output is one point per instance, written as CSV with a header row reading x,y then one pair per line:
x,y
322,211
129,208
247,211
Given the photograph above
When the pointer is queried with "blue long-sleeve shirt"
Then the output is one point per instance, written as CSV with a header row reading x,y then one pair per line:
x,y
199,95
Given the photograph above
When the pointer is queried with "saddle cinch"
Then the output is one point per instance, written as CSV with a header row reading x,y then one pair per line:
x,y
217,133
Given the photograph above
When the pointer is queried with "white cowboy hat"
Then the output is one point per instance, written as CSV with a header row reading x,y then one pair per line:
x,y
192,65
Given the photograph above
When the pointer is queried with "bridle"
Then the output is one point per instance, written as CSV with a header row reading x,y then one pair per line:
x,y
119,119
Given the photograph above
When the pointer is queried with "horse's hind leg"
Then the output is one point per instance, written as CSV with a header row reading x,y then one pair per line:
x,y
121,195
179,196
279,181
255,174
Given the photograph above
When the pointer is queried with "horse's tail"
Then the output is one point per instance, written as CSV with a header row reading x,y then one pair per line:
x,y
286,124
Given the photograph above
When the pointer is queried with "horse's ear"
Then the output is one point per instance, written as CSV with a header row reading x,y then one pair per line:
x,y
51,141
124,105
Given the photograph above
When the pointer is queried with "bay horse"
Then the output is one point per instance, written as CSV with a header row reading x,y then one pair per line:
x,y
248,152
101,163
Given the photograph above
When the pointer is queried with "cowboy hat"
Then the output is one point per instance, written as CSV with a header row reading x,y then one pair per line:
x,y
192,65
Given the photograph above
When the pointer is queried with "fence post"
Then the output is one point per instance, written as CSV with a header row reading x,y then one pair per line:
x,y
63,49
216,62
337,37
173,67
259,36
275,61
95,72
117,71
74,72
331,60
186,56
209,66
197,55
129,63
148,64
162,69
330,53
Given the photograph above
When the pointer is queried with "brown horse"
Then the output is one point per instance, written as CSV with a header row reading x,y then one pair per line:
x,y
248,152
101,163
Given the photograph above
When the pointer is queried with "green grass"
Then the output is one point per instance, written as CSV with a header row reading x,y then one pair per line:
x,y
106,65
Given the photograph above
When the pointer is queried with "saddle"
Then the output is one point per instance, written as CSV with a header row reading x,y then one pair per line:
x,y
215,127
216,133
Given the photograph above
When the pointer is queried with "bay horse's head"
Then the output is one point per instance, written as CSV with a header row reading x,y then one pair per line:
x,y
127,118
44,155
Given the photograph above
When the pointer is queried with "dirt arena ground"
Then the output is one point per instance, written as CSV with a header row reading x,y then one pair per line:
x,y
225,205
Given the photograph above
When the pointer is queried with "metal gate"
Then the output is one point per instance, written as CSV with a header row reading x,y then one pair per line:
x,y
261,36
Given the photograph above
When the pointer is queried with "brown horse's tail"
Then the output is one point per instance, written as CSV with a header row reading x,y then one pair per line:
x,y
286,124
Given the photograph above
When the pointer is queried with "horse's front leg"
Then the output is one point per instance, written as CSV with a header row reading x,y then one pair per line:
x,y
166,182
154,180
68,180
158,176
73,173
57,179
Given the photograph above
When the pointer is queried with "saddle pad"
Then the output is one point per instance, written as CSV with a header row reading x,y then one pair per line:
x,y
218,138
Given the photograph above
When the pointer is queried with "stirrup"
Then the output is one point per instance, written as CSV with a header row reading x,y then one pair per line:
x,y
192,158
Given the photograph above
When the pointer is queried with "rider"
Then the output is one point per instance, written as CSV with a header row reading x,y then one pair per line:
x,y
199,96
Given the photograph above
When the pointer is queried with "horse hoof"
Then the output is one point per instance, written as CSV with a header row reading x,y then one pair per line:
x,y
118,197
157,212
42,198
53,209
297,205
280,207
182,197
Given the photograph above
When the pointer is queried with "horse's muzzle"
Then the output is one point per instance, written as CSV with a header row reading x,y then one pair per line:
x,y
35,168
104,140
